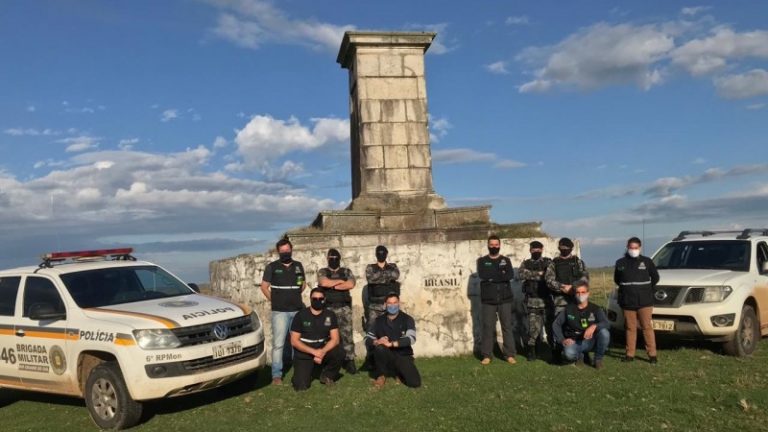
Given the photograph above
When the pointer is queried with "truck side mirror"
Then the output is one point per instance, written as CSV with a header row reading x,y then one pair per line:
x,y
45,312
194,287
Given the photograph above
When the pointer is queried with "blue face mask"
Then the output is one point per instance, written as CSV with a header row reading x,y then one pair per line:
x,y
393,309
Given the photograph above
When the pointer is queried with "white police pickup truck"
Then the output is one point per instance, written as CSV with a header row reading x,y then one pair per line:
x,y
116,331
713,286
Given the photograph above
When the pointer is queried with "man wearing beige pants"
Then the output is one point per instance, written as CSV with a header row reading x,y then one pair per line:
x,y
636,276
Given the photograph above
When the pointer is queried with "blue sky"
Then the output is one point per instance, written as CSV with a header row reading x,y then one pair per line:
x,y
196,130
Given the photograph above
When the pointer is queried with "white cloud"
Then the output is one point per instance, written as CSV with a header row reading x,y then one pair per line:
x,y
127,143
168,115
699,161
438,128
599,55
743,86
517,20
220,142
31,132
694,10
255,22
499,67
82,110
80,143
31,108
709,54
265,138
756,106
465,155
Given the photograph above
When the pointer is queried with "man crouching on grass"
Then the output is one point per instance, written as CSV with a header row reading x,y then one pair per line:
x,y
315,337
391,337
582,327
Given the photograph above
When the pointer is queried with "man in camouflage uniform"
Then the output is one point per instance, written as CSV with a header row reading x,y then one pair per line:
x,y
537,295
382,279
336,282
561,273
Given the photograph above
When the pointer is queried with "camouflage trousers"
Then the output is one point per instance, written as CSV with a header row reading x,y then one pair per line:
x,y
552,311
537,321
373,311
344,316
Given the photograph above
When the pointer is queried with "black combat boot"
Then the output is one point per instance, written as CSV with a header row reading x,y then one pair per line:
x,y
531,354
350,367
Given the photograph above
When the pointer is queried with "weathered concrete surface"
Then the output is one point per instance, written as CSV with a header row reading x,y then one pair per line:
x,y
438,286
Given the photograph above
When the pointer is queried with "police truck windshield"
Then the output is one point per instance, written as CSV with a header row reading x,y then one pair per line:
x,y
111,286
707,254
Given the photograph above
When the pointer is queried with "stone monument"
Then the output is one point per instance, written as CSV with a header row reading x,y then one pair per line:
x,y
394,203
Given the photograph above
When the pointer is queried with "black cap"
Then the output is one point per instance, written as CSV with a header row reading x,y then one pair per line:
x,y
536,245
333,252
565,241
381,249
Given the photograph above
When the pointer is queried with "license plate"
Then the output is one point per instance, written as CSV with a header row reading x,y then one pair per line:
x,y
664,325
227,350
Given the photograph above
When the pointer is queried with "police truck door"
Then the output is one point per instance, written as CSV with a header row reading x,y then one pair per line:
x,y
9,288
41,337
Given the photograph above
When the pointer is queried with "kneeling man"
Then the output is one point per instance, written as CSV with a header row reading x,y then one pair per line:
x,y
391,337
315,337
582,327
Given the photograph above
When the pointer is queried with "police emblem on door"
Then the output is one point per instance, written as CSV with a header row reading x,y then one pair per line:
x,y
57,359
220,331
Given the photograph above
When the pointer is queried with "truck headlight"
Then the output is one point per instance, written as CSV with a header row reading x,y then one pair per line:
x,y
715,294
255,322
156,339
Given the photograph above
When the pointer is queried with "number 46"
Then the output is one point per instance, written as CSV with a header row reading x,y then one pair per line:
x,y
8,355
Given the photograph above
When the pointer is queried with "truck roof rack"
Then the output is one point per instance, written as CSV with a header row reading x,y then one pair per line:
x,y
743,234
747,233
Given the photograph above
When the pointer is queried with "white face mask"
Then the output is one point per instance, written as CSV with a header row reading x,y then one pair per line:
x,y
582,298
634,253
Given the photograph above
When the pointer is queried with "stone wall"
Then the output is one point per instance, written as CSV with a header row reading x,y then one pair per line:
x,y
439,288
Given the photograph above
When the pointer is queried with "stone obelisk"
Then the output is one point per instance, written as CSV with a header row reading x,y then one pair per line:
x,y
391,161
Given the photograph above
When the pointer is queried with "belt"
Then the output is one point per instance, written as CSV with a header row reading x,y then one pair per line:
x,y
312,341
635,283
290,287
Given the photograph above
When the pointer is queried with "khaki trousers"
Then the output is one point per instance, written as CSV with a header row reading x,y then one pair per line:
x,y
631,320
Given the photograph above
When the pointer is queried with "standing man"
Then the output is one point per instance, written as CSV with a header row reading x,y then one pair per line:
x,y
537,296
336,282
391,338
382,280
562,273
315,336
495,272
636,276
282,284
583,327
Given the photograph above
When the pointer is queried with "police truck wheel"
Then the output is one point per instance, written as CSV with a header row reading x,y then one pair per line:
x,y
747,336
108,400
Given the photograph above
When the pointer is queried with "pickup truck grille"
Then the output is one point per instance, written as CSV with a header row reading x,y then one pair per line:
x,y
667,296
202,334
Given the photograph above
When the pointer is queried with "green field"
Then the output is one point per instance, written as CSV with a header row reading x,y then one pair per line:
x,y
690,389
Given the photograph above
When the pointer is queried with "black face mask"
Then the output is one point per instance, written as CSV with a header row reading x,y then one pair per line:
x,y
285,257
318,304
565,252
334,262
381,256
536,255
493,250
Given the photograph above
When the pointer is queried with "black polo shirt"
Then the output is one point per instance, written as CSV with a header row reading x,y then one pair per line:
x,y
286,283
315,330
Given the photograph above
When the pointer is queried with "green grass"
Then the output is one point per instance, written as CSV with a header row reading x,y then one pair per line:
x,y
692,389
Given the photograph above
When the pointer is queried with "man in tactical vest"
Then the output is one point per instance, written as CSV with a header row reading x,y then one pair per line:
x,y
336,282
582,327
495,272
537,297
561,274
382,279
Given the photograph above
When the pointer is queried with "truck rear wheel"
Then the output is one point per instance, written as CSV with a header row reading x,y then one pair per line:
x,y
747,336
108,399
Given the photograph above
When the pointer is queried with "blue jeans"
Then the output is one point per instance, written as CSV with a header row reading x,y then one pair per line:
x,y
598,343
281,324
